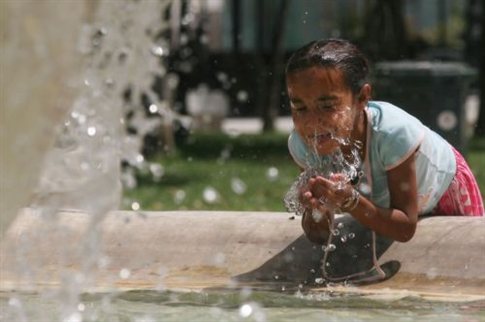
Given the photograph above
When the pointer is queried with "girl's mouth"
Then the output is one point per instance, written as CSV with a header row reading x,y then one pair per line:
x,y
321,137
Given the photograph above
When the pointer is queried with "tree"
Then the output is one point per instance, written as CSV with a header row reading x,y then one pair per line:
x,y
271,69
386,36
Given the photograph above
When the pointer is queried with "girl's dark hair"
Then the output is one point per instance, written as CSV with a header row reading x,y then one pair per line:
x,y
333,53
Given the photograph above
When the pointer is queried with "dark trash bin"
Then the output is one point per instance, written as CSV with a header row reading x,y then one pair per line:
x,y
434,92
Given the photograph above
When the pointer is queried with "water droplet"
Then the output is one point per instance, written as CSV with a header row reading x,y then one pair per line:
x,y
179,196
153,108
447,120
272,174
125,273
242,96
343,239
365,189
276,277
135,206
157,170
238,186
81,307
331,247
245,310
283,288
340,225
319,280
222,77
351,235
91,131
335,232
158,51
81,119
210,195
139,159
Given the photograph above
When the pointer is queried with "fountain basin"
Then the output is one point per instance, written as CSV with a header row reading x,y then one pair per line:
x,y
199,250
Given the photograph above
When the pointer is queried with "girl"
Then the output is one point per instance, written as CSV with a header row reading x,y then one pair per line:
x,y
407,170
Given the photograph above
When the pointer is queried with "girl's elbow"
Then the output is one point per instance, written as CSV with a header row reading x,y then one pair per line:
x,y
407,234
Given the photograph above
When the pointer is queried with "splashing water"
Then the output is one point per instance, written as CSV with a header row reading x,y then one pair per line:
x,y
82,171
348,169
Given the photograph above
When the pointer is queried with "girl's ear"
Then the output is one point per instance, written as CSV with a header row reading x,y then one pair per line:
x,y
365,93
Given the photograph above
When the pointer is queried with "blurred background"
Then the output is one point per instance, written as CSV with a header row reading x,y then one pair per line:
x,y
191,95
225,61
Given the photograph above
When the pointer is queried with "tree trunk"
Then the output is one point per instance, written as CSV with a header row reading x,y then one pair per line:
x,y
236,25
270,109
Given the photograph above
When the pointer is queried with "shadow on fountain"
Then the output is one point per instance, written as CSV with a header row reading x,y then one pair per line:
x,y
301,261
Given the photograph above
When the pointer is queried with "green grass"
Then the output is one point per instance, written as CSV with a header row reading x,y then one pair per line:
x,y
476,160
213,161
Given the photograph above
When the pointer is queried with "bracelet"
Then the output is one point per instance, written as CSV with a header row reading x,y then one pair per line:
x,y
352,201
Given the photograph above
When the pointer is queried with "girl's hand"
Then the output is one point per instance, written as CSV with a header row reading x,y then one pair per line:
x,y
316,230
306,197
333,192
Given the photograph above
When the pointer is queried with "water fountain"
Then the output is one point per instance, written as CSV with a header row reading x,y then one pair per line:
x,y
74,256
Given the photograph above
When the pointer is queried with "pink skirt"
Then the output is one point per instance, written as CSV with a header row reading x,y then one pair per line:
x,y
463,196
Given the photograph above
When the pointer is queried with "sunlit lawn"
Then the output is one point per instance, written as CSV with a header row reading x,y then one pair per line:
x,y
476,159
247,172
240,170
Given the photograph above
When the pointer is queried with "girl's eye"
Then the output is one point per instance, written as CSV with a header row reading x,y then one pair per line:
x,y
327,106
298,109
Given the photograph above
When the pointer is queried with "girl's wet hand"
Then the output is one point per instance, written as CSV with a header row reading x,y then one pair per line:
x,y
330,192
316,229
306,196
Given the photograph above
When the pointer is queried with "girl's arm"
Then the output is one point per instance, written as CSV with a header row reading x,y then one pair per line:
x,y
397,222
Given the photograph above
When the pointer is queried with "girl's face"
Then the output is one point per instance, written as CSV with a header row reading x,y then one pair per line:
x,y
324,110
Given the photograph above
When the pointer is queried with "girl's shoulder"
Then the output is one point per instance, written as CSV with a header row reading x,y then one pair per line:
x,y
384,116
393,133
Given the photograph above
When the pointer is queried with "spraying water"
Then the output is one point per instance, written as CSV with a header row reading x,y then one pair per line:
x,y
342,170
121,50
